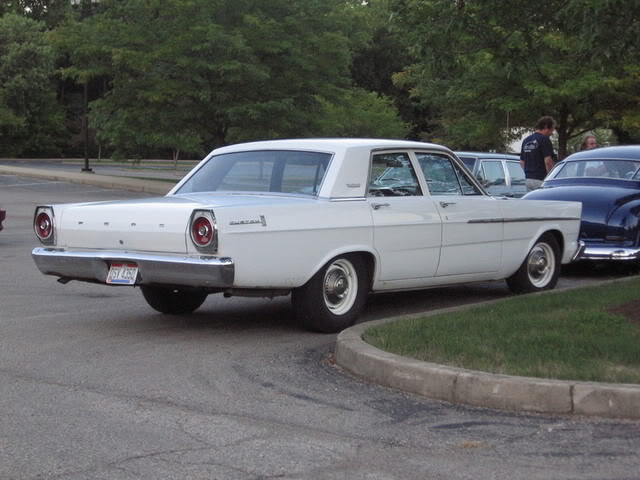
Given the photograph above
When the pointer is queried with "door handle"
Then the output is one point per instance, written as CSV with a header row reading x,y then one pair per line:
x,y
446,204
377,206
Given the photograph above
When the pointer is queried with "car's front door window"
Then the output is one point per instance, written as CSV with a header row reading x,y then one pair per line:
x,y
445,177
493,174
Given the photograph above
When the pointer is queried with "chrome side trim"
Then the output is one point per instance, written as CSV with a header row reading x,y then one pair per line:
x,y
579,251
609,253
163,269
348,199
523,219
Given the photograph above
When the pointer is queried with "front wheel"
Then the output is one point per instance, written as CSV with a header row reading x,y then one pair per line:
x,y
540,270
172,300
334,297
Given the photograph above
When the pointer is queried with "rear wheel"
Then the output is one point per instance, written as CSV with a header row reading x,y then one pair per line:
x,y
172,300
334,297
540,270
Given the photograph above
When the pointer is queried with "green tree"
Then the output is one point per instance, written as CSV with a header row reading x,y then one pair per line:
x,y
361,114
30,119
488,66
386,53
193,75
51,12
609,34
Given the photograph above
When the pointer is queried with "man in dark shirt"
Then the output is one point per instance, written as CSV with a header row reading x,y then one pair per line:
x,y
536,156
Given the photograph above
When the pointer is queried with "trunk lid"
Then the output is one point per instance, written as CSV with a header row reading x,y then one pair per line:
x,y
598,203
149,225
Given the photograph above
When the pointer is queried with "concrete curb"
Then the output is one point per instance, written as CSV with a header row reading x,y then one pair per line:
x,y
482,389
106,181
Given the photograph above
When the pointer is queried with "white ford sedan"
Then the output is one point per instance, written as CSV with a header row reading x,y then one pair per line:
x,y
325,220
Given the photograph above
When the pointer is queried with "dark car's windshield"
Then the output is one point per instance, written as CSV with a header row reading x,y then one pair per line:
x,y
604,168
261,171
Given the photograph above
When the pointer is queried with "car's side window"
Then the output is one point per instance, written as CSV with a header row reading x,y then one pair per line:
x,y
392,175
516,173
493,173
444,177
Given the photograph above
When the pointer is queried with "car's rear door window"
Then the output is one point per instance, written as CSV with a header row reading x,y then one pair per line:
x,y
516,173
392,175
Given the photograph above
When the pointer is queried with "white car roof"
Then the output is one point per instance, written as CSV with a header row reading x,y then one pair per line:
x,y
326,144
348,176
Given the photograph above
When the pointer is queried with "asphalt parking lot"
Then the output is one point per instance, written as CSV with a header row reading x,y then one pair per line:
x,y
94,384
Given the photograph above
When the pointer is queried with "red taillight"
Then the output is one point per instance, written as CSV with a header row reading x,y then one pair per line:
x,y
201,231
43,226
204,231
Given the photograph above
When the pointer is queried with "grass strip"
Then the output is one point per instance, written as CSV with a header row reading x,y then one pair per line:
x,y
569,335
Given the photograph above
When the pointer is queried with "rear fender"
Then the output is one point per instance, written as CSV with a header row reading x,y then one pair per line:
x,y
372,260
623,225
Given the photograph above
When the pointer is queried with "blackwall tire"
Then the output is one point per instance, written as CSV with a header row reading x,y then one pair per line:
x,y
171,300
335,296
540,270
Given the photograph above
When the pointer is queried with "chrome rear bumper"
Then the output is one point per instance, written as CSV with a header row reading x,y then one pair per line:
x,y
159,269
609,253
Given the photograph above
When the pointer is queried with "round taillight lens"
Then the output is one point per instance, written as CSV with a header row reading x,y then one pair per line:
x,y
43,226
202,231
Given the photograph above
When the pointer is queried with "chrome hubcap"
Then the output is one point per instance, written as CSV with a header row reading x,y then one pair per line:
x,y
541,264
336,284
340,286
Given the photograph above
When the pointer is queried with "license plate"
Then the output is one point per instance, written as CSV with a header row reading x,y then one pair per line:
x,y
122,274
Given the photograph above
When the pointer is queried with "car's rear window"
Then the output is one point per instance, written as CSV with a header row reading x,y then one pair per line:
x,y
604,168
281,171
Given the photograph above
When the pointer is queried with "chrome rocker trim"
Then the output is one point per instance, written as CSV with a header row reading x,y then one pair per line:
x,y
159,269
581,248
609,253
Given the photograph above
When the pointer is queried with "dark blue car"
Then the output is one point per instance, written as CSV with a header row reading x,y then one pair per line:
x,y
607,182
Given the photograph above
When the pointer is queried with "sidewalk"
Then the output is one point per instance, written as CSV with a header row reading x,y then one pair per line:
x,y
120,182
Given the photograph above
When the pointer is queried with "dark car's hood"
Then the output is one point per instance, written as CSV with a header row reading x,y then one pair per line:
x,y
598,202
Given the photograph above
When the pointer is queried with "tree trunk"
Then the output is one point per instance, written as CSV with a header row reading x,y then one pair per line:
x,y
176,154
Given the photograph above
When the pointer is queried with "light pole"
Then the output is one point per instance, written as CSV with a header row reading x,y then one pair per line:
x,y
85,126
85,108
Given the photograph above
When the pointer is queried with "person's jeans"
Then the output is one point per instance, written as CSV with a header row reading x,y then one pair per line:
x,y
533,184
